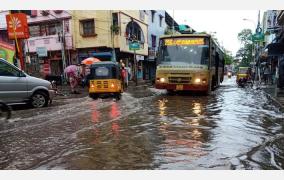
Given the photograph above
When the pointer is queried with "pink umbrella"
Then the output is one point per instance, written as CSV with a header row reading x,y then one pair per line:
x,y
71,69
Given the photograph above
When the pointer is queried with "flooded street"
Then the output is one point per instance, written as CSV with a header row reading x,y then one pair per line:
x,y
234,128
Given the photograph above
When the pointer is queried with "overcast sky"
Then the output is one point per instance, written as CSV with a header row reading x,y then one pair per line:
x,y
226,23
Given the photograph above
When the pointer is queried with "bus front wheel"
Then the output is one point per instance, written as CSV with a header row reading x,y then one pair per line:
x,y
170,92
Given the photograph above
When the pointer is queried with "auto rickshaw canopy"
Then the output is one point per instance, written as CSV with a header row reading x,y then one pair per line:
x,y
105,70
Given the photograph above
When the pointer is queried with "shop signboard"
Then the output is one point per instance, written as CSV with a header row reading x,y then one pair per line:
x,y
134,46
41,51
17,26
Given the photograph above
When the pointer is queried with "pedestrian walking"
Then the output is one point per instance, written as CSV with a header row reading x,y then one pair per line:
x,y
73,80
123,77
73,77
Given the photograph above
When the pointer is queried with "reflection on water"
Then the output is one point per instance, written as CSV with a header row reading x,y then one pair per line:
x,y
182,131
196,108
234,128
162,107
95,112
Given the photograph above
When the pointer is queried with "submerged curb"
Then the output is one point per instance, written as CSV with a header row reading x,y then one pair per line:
x,y
276,102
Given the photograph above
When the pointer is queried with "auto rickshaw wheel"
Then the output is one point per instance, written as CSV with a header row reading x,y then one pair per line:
x,y
94,96
117,96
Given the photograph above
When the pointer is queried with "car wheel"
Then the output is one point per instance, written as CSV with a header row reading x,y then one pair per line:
x,y
39,99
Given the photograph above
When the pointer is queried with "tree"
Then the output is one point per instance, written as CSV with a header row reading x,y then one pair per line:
x,y
245,36
228,57
245,52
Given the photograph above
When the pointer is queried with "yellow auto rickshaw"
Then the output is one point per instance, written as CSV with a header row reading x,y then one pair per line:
x,y
242,73
105,80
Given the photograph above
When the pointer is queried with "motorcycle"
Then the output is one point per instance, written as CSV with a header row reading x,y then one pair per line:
x,y
229,74
5,111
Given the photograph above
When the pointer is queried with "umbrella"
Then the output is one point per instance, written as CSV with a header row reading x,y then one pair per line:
x,y
90,61
70,69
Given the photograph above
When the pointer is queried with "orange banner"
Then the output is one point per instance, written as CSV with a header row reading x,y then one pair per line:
x,y
17,26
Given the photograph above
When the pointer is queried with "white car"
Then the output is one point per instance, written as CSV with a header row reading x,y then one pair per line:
x,y
17,87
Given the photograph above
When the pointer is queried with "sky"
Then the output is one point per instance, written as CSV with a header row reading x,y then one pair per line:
x,y
226,24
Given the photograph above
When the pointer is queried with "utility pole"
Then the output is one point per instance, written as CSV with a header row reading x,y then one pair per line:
x,y
62,39
136,69
133,39
63,45
112,37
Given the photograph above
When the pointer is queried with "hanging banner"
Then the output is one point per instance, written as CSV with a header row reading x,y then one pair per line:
x,y
7,51
17,25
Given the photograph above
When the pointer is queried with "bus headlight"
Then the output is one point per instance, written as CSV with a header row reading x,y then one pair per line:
x,y
197,80
162,80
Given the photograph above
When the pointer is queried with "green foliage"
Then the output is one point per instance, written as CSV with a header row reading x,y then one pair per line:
x,y
228,57
245,52
115,29
245,36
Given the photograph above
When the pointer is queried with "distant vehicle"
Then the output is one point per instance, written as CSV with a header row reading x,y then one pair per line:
x,y
229,74
17,87
192,62
105,80
242,77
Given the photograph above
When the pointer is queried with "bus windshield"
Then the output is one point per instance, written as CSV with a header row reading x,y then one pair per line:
x,y
185,50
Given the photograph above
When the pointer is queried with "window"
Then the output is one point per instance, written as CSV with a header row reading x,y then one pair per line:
x,y
43,31
153,15
153,40
7,70
34,31
115,19
66,26
52,29
161,20
102,71
133,28
87,27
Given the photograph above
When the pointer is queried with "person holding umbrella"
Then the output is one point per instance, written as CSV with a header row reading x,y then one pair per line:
x,y
72,74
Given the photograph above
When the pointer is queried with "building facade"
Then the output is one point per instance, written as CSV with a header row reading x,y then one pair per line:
x,y
105,34
156,28
270,53
50,45
279,47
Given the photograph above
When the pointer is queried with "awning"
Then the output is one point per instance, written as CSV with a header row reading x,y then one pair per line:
x,y
102,54
275,49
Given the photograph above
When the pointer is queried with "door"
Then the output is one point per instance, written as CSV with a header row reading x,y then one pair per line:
x,y
13,84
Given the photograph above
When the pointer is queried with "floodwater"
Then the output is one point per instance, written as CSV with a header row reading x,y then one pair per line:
x,y
234,128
